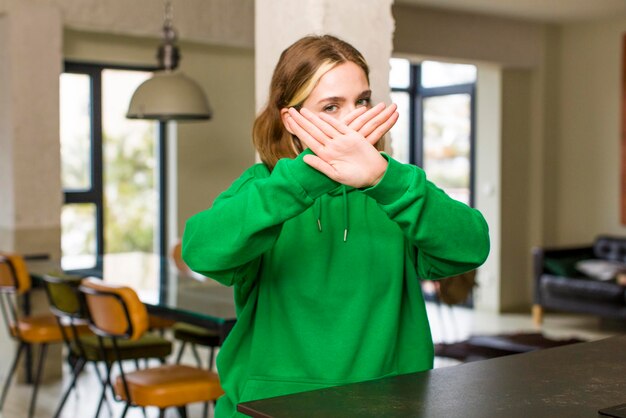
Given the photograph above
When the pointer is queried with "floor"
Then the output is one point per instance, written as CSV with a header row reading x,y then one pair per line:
x,y
447,324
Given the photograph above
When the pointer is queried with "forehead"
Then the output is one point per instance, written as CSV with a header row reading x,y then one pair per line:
x,y
342,80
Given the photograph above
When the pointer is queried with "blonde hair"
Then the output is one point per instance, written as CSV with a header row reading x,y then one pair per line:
x,y
298,71
301,95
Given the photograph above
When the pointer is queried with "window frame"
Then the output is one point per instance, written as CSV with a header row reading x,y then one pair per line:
x,y
95,193
417,94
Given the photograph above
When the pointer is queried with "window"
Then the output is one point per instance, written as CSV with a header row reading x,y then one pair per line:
x,y
111,167
435,130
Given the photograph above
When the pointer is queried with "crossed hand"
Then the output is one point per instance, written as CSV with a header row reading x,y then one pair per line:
x,y
344,149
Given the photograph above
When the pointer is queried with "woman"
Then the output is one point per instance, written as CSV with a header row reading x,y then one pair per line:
x,y
326,241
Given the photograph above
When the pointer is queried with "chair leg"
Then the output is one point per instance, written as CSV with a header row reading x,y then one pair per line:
x,y
180,352
194,349
103,398
211,358
537,313
205,410
7,381
125,410
78,368
105,384
42,358
182,411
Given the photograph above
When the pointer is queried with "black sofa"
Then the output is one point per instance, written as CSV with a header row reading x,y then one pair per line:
x,y
560,286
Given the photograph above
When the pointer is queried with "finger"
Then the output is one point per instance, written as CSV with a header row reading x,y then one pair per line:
x,y
324,127
359,122
350,117
304,136
320,165
313,130
382,129
377,120
341,127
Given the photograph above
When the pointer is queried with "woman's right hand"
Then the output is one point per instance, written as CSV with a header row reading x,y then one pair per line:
x,y
372,123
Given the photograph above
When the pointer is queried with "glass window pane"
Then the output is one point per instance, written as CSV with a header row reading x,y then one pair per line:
x,y
75,132
78,236
399,75
447,127
400,132
130,168
437,74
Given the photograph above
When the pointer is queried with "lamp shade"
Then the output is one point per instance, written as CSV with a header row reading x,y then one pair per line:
x,y
169,95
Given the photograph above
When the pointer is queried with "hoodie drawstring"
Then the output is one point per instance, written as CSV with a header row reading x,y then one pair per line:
x,y
345,214
318,202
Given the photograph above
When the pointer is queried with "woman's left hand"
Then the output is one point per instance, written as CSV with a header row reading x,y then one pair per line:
x,y
341,152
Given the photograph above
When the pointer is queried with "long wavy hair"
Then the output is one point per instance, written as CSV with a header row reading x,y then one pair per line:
x,y
297,73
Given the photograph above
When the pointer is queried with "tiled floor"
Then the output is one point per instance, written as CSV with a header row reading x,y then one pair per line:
x,y
447,325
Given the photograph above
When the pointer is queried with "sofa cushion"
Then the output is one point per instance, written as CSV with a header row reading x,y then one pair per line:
x,y
562,266
583,289
610,248
600,269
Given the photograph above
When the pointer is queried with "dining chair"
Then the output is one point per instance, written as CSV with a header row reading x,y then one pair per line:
x,y
116,312
27,330
188,333
66,304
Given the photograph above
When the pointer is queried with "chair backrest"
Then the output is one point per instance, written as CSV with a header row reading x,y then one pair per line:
x,y
14,276
66,305
114,310
63,295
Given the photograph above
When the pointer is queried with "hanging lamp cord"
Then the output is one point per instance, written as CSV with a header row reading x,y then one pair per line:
x,y
168,54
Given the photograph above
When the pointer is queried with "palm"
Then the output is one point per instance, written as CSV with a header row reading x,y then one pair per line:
x,y
347,160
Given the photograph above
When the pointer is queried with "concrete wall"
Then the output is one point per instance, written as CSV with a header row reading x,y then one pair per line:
x,y
217,22
30,196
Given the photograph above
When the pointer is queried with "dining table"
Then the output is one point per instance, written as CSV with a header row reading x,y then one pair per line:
x,y
166,291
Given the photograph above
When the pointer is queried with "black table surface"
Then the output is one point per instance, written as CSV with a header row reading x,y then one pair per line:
x,y
570,381
165,291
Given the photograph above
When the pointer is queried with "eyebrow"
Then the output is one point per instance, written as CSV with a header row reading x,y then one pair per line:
x,y
343,99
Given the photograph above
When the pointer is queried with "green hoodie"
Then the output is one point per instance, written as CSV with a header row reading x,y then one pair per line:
x,y
326,277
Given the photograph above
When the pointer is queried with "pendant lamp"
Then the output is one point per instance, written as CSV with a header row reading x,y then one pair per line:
x,y
169,94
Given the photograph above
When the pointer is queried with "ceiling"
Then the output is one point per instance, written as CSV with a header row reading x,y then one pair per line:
x,y
560,11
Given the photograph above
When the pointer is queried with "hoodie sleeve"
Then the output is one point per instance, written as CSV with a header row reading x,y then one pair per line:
x,y
450,237
226,241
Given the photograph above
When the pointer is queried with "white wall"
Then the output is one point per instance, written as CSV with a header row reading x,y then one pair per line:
x,y
588,147
488,181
